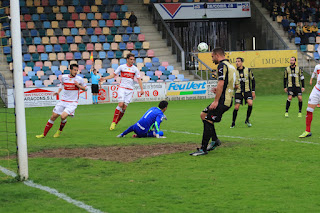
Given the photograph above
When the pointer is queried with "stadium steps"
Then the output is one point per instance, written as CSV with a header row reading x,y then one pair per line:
x,y
5,70
278,28
159,45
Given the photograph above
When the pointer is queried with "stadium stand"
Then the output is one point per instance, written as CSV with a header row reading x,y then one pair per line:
x,y
56,33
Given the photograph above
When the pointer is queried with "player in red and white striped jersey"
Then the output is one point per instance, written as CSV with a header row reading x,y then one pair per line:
x,y
314,99
70,87
127,73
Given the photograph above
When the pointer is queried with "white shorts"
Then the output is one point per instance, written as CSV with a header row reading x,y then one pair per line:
x,y
68,107
125,95
314,97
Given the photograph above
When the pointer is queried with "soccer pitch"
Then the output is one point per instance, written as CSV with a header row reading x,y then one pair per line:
x,y
265,168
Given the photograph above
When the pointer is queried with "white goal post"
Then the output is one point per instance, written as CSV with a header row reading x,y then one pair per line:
x,y
18,90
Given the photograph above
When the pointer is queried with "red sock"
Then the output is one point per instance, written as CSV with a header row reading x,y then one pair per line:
x,y
62,125
47,128
308,121
120,116
116,115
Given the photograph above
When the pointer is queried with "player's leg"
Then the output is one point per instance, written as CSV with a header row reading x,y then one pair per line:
x,y
49,125
127,131
300,105
127,99
288,104
235,114
314,99
206,135
68,111
249,110
118,108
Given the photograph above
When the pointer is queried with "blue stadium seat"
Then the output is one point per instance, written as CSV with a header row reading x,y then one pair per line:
x,y
102,23
117,23
63,9
77,55
26,78
46,24
90,16
27,57
43,17
65,63
37,40
156,64
297,40
122,46
58,72
38,83
105,16
303,48
161,68
57,48
316,56
139,60
94,39
36,69
54,69
148,64
102,71
79,9
33,33
125,38
90,31
171,77
137,30
124,8
122,61
102,54
70,39
180,77
44,56
6,50
170,68
53,2
114,66
129,30
143,53
106,46
102,38
74,31
31,73
88,66
155,59
136,53
49,48
116,8
150,73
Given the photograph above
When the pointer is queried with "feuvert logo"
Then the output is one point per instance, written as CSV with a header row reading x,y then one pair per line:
x,y
187,88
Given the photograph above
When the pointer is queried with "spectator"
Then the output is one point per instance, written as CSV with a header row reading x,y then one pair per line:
x,y
299,30
285,23
275,11
282,9
291,33
287,13
316,16
294,16
314,29
133,20
304,15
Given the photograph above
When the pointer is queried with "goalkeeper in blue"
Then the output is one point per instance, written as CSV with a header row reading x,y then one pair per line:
x,y
149,124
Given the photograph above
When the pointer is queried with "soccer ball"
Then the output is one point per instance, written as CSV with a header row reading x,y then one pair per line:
x,y
203,47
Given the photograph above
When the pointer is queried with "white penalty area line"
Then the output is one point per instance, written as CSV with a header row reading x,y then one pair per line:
x,y
238,137
53,192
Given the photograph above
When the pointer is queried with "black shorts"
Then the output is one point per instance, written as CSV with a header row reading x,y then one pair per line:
x,y
294,91
95,88
240,96
215,115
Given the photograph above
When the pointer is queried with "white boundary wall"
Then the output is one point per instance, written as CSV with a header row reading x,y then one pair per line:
x,y
181,90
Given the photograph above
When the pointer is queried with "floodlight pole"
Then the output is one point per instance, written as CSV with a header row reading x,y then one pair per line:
x,y
18,90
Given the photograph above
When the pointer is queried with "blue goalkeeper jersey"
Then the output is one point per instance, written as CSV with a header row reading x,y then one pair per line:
x,y
152,118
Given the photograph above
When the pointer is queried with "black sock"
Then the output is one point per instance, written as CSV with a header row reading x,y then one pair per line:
x,y
288,105
235,113
249,112
214,134
207,133
300,106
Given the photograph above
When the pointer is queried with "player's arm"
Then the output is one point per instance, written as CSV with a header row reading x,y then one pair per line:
x,y
285,81
140,84
60,88
112,75
313,75
81,86
157,125
218,90
253,84
302,80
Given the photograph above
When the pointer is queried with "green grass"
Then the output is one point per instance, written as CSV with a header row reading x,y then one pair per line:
x,y
264,168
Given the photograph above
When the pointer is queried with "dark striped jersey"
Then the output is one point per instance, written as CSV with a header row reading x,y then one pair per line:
x,y
293,77
246,80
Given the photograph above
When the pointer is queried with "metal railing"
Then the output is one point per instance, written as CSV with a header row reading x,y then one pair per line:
x,y
199,67
3,90
307,62
166,33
